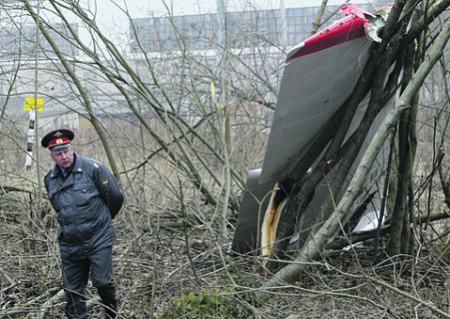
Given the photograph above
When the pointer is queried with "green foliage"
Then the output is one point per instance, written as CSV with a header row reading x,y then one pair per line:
x,y
202,305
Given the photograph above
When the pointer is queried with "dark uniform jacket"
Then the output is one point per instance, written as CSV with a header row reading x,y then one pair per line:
x,y
86,201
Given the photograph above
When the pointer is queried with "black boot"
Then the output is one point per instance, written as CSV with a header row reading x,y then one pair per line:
x,y
108,295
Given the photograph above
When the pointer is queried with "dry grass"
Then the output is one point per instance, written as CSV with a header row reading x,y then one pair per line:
x,y
154,266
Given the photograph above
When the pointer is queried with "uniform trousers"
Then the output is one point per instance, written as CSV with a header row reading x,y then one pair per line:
x,y
76,273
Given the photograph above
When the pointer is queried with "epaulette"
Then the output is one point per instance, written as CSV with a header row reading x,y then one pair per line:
x,y
94,164
50,173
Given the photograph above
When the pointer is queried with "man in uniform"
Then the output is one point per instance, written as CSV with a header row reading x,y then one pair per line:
x,y
86,197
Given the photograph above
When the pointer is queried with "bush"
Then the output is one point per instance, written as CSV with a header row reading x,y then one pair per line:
x,y
203,305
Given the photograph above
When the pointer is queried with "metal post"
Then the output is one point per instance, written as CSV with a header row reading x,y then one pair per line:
x,y
31,137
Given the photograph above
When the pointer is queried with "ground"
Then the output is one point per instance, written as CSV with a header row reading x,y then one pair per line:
x,y
158,275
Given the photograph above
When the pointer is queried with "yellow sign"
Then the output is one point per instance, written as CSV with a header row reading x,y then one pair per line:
x,y
30,103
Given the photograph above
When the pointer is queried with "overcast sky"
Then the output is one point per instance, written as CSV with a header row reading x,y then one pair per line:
x,y
114,23
112,19
142,8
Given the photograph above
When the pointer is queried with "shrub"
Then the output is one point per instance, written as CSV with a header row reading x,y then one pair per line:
x,y
202,305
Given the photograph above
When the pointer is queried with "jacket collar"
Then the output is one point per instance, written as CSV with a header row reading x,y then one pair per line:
x,y
77,164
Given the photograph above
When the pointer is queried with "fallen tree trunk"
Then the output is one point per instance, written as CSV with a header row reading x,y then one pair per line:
x,y
58,297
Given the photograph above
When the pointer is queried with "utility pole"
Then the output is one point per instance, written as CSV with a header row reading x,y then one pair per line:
x,y
33,113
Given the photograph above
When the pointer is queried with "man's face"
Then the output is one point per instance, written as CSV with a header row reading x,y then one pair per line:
x,y
63,158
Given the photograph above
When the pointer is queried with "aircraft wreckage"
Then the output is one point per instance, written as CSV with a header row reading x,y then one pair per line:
x,y
319,76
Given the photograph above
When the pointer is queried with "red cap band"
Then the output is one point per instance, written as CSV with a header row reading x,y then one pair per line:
x,y
58,141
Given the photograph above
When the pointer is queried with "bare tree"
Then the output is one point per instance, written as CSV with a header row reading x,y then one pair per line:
x,y
181,136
